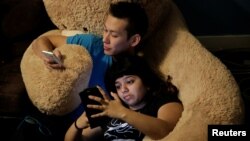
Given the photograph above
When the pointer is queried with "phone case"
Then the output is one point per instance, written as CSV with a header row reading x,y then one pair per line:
x,y
94,122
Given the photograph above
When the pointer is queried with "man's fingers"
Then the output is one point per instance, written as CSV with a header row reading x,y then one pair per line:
x,y
58,54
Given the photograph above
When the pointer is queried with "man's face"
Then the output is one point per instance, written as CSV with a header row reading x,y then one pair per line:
x,y
115,39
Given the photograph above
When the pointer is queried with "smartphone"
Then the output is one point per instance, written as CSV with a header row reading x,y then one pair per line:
x,y
94,122
52,57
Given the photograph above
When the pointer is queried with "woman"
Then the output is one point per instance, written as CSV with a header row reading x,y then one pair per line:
x,y
140,104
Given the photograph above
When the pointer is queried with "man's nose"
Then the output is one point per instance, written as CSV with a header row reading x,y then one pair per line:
x,y
106,37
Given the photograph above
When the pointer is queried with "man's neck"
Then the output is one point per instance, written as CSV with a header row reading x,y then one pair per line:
x,y
122,54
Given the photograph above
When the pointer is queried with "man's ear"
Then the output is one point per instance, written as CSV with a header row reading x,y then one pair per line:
x,y
134,40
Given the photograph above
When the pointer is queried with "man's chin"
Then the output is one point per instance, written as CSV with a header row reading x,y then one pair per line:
x,y
108,53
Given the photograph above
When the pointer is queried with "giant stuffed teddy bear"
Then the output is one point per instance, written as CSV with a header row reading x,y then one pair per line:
x,y
55,92
207,89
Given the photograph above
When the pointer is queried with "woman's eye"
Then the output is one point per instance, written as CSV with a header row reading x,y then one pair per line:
x,y
117,87
130,81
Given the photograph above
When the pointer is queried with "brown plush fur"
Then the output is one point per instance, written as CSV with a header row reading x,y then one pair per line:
x,y
56,92
209,93
88,15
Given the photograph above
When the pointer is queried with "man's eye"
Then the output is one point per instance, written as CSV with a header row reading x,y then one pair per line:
x,y
114,35
105,30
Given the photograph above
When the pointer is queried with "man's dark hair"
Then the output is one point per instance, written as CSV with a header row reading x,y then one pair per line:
x,y
134,13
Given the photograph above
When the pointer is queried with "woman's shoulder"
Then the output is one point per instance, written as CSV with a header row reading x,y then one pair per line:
x,y
159,100
169,97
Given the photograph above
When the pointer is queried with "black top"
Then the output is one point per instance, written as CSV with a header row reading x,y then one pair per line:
x,y
117,129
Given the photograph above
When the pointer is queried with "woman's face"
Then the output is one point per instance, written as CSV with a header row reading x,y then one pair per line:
x,y
131,90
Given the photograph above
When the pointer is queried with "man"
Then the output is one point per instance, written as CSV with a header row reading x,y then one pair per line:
x,y
124,29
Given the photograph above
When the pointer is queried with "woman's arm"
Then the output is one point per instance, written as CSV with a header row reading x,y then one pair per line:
x,y
155,128
80,131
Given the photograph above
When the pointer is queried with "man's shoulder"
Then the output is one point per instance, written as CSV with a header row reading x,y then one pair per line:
x,y
90,36
85,39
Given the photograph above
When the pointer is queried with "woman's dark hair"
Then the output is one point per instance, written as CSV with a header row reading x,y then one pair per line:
x,y
134,13
135,65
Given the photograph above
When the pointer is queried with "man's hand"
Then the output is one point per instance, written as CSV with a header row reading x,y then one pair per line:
x,y
49,43
51,64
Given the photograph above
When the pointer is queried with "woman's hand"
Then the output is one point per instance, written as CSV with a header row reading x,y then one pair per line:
x,y
77,128
82,122
111,108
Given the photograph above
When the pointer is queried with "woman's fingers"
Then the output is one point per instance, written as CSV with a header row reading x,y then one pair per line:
x,y
115,96
98,99
98,107
105,96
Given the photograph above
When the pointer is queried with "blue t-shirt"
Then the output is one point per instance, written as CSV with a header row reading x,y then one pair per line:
x,y
101,62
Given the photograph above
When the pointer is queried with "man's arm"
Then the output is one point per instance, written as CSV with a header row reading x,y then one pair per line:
x,y
49,43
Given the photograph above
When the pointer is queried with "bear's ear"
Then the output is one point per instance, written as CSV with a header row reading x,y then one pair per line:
x,y
55,92
88,16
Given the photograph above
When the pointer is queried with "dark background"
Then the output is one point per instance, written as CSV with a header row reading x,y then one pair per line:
x,y
216,17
